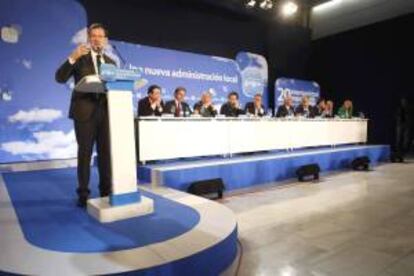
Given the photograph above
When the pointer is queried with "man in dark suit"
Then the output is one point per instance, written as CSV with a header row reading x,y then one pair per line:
x,y
177,106
255,108
305,109
152,105
232,107
205,107
89,111
286,110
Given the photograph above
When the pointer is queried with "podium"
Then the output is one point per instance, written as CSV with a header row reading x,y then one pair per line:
x,y
125,200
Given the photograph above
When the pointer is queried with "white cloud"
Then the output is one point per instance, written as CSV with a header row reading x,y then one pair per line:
x,y
80,36
46,144
10,34
35,115
27,64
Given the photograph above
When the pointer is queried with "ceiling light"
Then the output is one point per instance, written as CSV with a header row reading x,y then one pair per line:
x,y
289,8
269,5
263,4
251,3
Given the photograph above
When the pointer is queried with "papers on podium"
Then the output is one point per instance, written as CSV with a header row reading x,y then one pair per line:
x,y
90,84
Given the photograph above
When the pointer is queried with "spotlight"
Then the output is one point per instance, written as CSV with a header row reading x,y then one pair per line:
x,y
289,9
263,4
269,5
251,3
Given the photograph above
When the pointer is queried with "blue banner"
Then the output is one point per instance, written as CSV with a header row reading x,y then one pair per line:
x,y
36,38
296,89
254,73
170,69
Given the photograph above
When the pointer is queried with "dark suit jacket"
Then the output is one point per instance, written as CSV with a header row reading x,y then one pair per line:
x,y
282,111
145,109
301,111
82,105
250,109
170,108
207,112
230,111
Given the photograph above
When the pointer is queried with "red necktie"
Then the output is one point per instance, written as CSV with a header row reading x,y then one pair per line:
x,y
178,111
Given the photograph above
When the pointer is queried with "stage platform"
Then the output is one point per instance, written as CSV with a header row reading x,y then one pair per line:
x,y
44,233
244,171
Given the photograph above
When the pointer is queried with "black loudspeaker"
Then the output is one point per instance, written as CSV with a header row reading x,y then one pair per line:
x,y
207,187
397,157
306,171
361,163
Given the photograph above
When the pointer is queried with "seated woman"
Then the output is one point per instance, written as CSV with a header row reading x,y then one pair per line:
x,y
346,110
304,109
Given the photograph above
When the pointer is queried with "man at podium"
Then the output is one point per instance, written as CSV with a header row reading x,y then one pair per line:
x,y
89,111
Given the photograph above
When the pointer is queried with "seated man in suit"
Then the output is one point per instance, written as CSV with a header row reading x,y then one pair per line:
x,y
256,107
205,107
286,110
89,112
324,109
232,107
305,109
177,106
152,105
320,107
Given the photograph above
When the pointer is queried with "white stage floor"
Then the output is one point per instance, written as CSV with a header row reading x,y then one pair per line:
x,y
349,223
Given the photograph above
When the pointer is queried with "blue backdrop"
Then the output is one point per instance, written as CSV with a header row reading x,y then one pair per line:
x,y
36,37
297,89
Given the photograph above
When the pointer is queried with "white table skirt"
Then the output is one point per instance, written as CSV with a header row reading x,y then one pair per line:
x,y
167,138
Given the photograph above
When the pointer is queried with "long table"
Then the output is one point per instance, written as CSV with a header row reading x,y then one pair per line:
x,y
169,138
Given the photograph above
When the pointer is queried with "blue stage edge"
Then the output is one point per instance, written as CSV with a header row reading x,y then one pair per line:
x,y
256,169
184,235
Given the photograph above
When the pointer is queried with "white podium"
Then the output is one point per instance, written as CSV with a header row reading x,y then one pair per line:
x,y
125,200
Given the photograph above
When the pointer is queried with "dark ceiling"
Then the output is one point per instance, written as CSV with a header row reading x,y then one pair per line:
x,y
239,6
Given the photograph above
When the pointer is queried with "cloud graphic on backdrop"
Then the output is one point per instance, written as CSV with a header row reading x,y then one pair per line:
x,y
11,33
6,96
47,144
35,115
27,63
80,36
